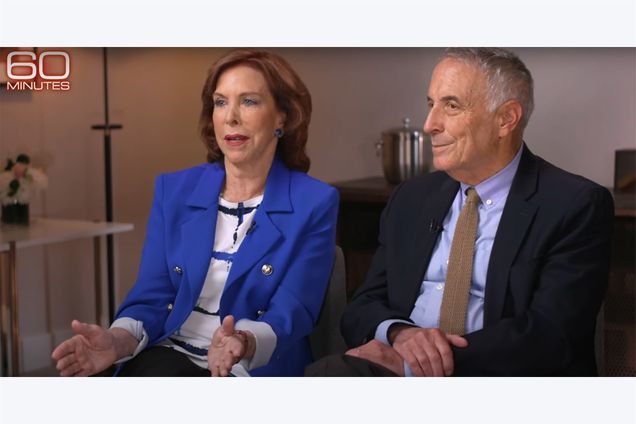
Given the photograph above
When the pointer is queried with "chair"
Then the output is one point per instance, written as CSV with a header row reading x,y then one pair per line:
x,y
326,339
599,341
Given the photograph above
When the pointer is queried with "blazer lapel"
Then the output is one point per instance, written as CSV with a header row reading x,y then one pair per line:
x,y
264,233
198,232
433,210
515,222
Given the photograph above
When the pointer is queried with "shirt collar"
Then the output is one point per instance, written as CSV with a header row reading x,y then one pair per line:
x,y
495,189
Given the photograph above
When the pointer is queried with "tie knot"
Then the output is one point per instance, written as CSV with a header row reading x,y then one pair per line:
x,y
472,196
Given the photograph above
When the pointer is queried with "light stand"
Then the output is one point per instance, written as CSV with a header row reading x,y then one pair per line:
x,y
107,127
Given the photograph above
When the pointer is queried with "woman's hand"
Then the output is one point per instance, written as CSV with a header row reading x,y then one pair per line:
x,y
228,347
91,350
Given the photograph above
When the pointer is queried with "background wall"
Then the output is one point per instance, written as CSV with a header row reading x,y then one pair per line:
x,y
585,110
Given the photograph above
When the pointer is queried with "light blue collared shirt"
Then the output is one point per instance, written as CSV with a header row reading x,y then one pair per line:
x,y
493,193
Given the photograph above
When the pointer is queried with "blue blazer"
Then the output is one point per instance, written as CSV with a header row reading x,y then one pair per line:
x,y
294,232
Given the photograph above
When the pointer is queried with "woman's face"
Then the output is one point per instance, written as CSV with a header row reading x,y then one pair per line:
x,y
245,117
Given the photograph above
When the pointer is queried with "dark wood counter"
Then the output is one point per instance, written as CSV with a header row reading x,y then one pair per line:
x,y
361,204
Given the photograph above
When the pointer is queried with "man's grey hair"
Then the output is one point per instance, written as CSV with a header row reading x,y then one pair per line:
x,y
507,77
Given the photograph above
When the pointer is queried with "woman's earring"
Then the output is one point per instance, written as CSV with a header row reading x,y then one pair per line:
x,y
279,133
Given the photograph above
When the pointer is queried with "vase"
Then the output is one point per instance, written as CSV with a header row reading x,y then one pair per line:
x,y
15,213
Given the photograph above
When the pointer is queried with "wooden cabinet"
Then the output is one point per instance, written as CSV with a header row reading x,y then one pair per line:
x,y
361,204
620,299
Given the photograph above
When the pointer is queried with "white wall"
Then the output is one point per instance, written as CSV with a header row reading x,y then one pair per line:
x,y
585,109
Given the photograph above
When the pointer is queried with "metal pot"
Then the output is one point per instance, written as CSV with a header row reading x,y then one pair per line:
x,y
405,151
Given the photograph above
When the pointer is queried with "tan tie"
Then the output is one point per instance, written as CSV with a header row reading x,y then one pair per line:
x,y
460,268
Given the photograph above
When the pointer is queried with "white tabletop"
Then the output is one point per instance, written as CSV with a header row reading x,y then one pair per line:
x,y
42,231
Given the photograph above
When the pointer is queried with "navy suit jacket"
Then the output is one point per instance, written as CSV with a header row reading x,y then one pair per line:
x,y
293,231
546,277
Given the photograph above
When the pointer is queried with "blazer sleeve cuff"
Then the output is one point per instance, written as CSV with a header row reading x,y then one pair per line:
x,y
137,330
265,342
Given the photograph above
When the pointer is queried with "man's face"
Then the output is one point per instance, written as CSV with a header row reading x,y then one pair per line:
x,y
463,132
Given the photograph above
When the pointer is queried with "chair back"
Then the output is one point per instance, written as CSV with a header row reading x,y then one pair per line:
x,y
599,341
326,338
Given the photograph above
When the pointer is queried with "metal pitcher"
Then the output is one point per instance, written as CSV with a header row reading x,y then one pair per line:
x,y
405,152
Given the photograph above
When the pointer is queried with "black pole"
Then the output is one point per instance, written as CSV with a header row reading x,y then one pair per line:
x,y
108,183
107,150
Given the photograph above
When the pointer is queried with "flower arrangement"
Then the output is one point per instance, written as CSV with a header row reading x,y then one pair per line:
x,y
18,184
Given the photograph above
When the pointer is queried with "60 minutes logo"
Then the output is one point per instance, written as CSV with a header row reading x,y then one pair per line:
x,y
29,71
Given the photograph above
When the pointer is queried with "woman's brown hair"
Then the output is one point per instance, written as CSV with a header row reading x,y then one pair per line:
x,y
290,95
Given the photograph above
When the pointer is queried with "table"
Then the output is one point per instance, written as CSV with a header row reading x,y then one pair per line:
x,y
40,232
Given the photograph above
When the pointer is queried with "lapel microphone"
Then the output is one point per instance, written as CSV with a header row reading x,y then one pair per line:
x,y
435,227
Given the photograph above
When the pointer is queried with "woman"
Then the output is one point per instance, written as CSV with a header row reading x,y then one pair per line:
x,y
238,252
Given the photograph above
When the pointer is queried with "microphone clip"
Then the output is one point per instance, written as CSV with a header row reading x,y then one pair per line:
x,y
434,227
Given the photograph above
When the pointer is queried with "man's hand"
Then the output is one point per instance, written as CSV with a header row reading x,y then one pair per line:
x,y
426,350
379,353
90,351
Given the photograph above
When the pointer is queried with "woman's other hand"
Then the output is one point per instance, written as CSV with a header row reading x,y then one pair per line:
x,y
228,347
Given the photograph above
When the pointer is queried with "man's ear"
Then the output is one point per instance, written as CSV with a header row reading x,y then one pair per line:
x,y
509,117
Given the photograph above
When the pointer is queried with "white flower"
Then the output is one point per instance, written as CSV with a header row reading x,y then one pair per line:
x,y
32,181
39,180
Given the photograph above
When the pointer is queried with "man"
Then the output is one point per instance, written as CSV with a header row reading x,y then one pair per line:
x,y
496,264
